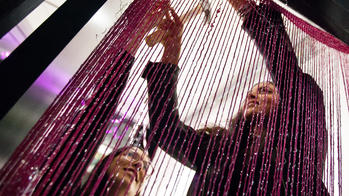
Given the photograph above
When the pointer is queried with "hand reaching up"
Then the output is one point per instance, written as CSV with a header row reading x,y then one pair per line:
x,y
171,38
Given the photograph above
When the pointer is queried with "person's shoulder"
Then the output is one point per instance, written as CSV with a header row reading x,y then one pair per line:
x,y
310,81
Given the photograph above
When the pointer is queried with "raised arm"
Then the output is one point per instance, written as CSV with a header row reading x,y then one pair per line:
x,y
265,26
148,22
166,130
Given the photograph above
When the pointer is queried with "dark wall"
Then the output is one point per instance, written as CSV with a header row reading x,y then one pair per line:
x,y
13,11
331,15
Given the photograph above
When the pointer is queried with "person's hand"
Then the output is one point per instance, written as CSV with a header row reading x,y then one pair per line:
x,y
238,4
172,28
155,15
151,19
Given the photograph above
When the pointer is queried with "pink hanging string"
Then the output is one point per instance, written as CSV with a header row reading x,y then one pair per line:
x,y
286,146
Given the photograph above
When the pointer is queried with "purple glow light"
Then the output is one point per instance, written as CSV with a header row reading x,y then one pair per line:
x,y
109,131
4,55
116,121
115,136
52,80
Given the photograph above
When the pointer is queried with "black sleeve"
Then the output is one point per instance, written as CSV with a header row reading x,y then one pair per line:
x,y
265,26
299,92
166,130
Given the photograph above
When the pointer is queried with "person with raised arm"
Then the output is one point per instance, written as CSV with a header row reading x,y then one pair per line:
x,y
231,161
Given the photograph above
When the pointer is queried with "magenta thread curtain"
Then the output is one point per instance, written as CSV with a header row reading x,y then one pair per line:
x,y
219,63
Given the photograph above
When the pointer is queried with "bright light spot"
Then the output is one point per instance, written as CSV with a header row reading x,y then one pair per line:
x,y
4,55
